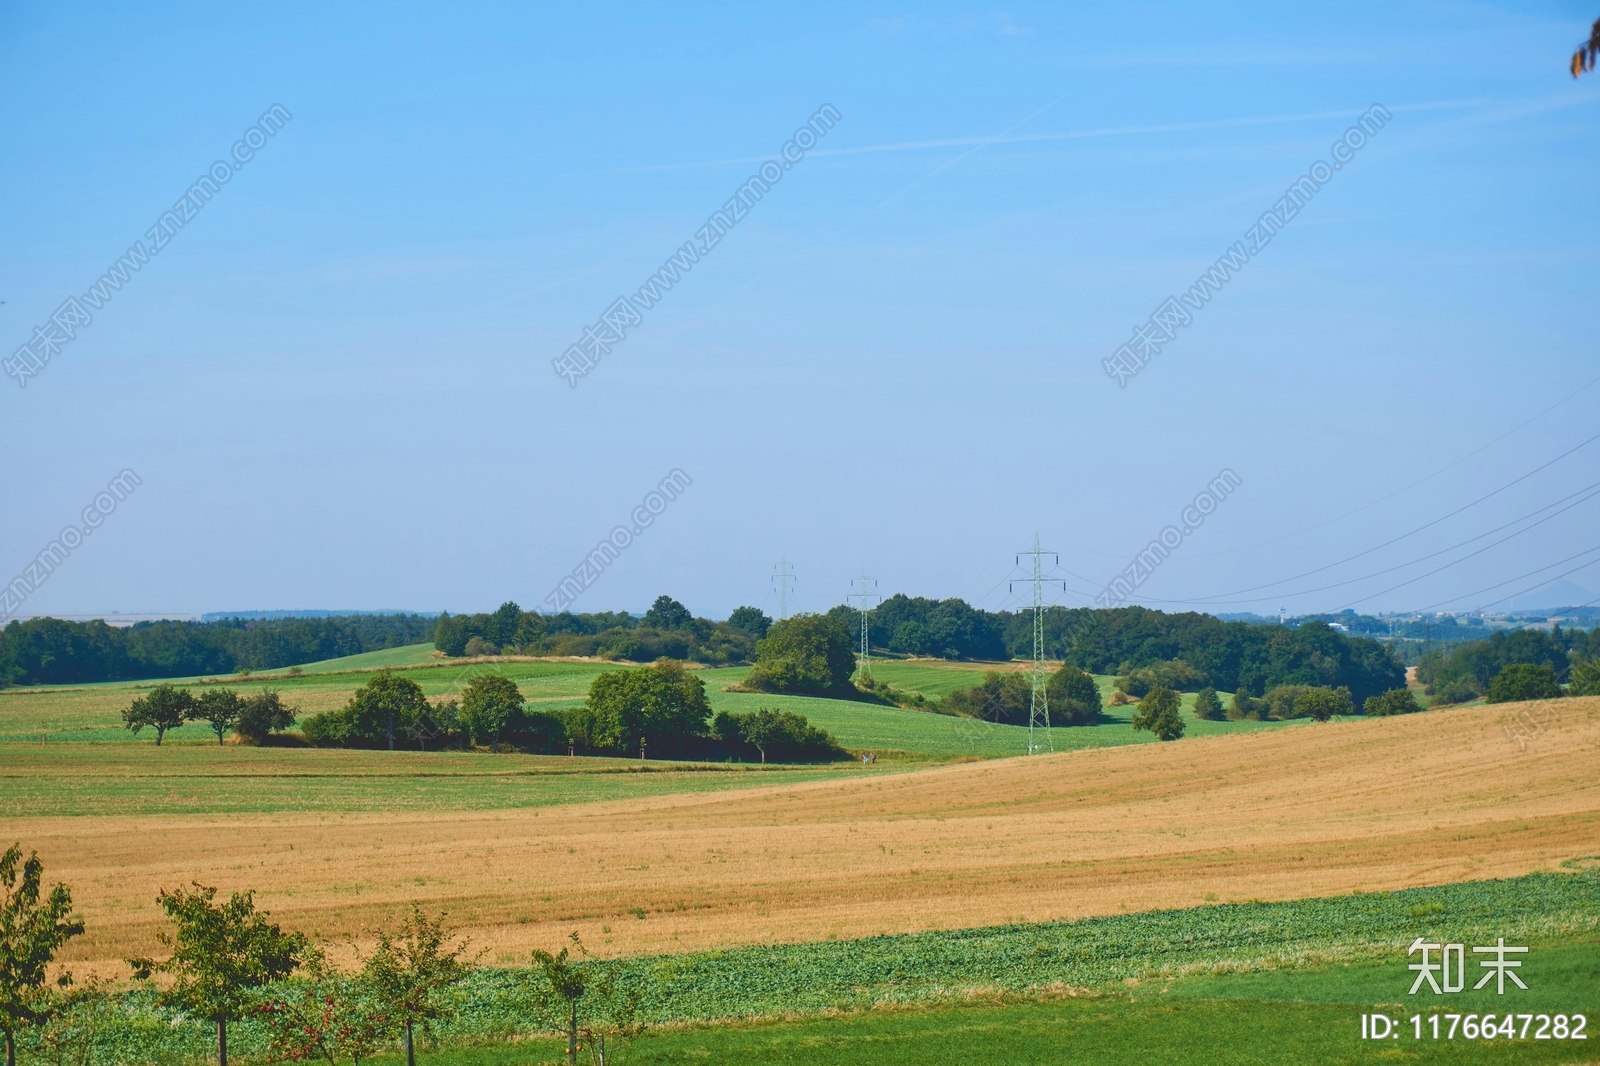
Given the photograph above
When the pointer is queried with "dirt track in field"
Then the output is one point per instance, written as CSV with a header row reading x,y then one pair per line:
x,y
1316,810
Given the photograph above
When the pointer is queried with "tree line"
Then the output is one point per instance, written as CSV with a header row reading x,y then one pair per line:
x,y
50,651
659,711
1467,671
226,962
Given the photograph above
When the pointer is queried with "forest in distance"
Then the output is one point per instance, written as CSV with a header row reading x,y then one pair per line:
x,y
1228,654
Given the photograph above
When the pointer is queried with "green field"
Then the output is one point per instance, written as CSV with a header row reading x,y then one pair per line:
x,y
91,712
1231,983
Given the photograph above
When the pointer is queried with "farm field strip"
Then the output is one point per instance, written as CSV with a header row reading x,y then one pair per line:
x,y
1275,814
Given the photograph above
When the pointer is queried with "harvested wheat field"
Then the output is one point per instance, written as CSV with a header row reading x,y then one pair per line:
x,y
1311,811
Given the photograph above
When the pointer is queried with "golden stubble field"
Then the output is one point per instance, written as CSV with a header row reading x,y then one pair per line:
x,y
1317,810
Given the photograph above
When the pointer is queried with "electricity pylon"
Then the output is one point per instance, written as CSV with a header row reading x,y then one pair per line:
x,y
864,595
1039,703
783,577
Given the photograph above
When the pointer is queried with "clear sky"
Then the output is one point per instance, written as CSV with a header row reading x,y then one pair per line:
x,y
334,381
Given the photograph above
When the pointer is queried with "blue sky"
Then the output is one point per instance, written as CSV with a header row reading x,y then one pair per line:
x,y
335,380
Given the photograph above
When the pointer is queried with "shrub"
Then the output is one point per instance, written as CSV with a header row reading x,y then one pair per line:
x,y
1585,679
780,734
262,715
1158,712
1207,707
1174,674
478,646
807,653
1244,706
1524,681
1279,701
1395,701
1323,703
1074,698
1004,698
1461,690
1118,698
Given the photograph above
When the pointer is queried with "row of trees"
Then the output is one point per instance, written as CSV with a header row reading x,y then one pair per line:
x,y
49,651
660,710
1466,671
226,962
667,630
252,718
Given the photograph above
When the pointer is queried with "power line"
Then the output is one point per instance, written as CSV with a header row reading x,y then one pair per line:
x,y
1519,577
1222,596
1039,701
1592,490
1404,488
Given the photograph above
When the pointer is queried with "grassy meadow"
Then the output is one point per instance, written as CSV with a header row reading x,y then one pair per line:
x,y
92,712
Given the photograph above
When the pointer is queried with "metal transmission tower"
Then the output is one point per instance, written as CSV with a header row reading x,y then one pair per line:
x,y
864,597
1039,704
783,578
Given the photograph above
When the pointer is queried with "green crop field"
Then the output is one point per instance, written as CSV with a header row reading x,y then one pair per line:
x,y
113,779
1231,983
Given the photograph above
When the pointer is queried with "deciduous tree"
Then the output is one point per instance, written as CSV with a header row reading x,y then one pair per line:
x,y
1524,681
219,708
220,952
163,708
1074,697
263,714
1158,713
410,973
490,704
1207,707
33,926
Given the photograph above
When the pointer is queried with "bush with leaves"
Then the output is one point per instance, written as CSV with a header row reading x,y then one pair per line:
x,y
377,711
1524,681
411,973
1461,690
1003,698
329,1016
220,954
163,708
1244,707
1158,713
1585,680
810,653
1175,674
33,926
490,706
1323,703
261,715
77,1014
1207,707
1395,701
663,706
780,734
1073,697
